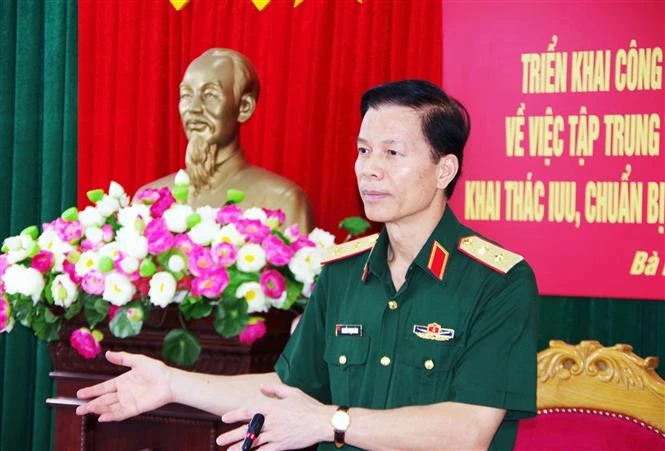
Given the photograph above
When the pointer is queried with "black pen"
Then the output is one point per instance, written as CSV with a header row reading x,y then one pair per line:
x,y
255,425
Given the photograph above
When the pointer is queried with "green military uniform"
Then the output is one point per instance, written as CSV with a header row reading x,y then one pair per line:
x,y
461,328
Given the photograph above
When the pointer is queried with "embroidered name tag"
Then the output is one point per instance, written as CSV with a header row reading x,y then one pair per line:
x,y
348,330
433,331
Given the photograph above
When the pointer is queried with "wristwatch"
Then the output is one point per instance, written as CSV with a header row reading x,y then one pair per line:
x,y
340,422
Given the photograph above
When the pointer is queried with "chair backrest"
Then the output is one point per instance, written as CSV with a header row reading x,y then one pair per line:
x,y
595,397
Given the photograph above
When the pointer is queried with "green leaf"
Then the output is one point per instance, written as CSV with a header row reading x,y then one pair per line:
x,y
24,310
293,293
355,225
31,231
237,278
147,268
45,324
234,196
95,309
74,309
180,193
95,195
122,326
231,317
193,220
71,214
193,308
48,295
181,347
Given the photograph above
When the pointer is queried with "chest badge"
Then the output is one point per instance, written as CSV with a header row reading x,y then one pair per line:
x,y
433,331
348,330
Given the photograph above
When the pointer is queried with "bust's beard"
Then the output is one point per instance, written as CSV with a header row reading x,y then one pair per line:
x,y
200,163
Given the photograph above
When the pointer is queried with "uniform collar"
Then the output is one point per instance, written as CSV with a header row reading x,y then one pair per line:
x,y
433,258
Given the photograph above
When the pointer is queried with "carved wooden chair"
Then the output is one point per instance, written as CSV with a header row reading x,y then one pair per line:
x,y
592,397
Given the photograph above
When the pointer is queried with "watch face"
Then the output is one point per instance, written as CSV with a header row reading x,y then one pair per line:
x,y
340,420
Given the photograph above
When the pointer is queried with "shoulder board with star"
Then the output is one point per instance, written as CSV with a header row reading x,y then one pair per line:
x,y
350,248
489,254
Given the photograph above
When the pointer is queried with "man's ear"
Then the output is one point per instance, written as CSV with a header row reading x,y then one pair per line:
x,y
448,168
246,108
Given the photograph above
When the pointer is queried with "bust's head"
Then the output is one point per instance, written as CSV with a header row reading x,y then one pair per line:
x,y
218,92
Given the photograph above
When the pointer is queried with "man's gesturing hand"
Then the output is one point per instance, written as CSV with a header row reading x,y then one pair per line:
x,y
146,386
293,420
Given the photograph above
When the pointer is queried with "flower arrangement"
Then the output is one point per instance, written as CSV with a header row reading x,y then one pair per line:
x,y
115,261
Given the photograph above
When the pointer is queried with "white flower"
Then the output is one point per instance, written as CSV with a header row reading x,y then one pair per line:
x,y
306,264
26,281
118,192
94,234
16,256
63,290
108,205
50,241
91,216
17,248
181,178
256,300
176,263
13,243
129,216
204,232
255,213
278,302
26,241
207,213
132,243
322,238
111,250
229,234
162,289
176,217
118,289
251,258
87,262
129,264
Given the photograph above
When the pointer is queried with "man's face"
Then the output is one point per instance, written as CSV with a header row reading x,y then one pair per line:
x,y
208,107
397,179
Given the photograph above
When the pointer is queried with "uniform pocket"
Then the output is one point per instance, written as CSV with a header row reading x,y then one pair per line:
x,y
425,370
346,358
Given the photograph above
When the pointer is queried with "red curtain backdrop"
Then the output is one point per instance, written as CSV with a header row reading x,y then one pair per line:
x,y
314,61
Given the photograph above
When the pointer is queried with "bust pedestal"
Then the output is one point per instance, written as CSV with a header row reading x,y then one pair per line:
x,y
172,427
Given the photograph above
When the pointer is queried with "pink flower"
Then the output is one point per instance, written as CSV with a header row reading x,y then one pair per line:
x,y
292,232
301,242
5,314
184,243
42,261
254,231
142,285
224,254
277,253
272,283
253,332
229,214
211,284
113,309
277,215
87,245
68,231
163,203
93,282
4,264
148,196
70,269
120,267
158,236
184,284
85,343
201,261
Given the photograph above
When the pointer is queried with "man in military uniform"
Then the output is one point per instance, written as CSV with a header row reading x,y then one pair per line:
x,y
422,337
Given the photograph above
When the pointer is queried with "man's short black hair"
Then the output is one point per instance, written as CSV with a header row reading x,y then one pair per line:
x,y
445,122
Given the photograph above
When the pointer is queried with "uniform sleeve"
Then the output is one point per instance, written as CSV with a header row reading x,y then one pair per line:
x,y
498,363
301,364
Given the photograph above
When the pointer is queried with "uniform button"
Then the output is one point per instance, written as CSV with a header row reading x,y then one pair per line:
x,y
392,304
429,364
385,360
342,359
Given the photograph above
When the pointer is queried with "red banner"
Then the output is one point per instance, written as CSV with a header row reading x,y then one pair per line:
x,y
565,163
